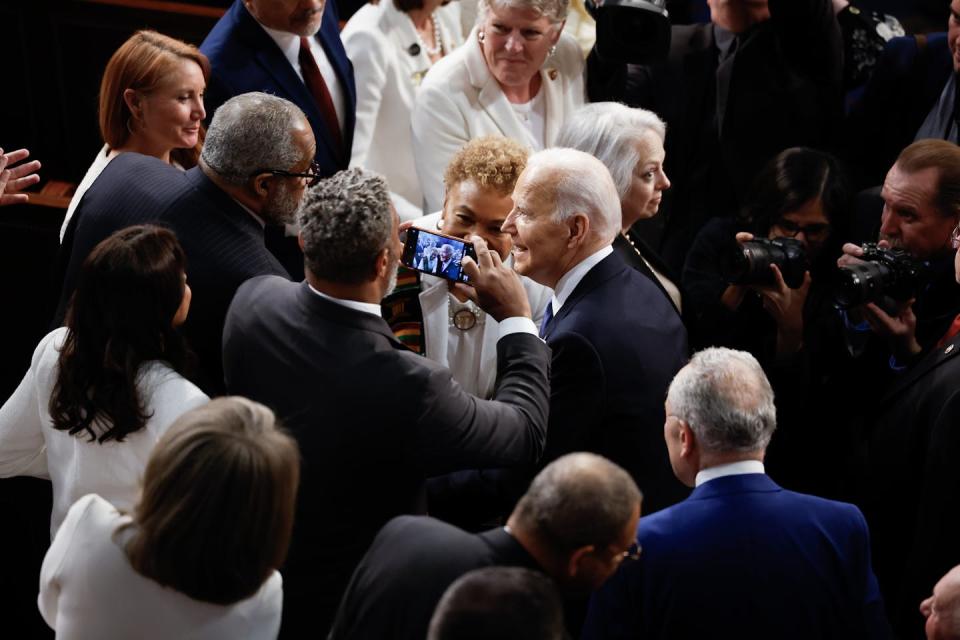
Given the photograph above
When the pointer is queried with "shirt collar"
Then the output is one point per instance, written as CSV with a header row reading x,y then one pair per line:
x,y
252,214
570,280
740,468
356,305
289,44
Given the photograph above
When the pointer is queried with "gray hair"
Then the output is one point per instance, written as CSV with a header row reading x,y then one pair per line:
x,y
508,603
580,184
726,399
553,10
345,222
610,132
252,132
577,500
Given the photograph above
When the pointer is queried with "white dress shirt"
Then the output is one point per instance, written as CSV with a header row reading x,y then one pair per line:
x,y
572,278
731,469
289,44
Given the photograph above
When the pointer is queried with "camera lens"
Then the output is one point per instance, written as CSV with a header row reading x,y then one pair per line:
x,y
860,283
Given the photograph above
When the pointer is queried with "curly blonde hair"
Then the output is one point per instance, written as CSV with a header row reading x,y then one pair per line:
x,y
492,161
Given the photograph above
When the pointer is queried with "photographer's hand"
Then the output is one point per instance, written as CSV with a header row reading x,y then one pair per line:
x,y
16,178
899,330
785,306
498,288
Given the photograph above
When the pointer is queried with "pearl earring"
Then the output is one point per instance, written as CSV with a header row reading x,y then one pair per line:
x,y
480,36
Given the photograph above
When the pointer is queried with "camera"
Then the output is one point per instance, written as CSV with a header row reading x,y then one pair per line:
x,y
884,273
750,263
631,31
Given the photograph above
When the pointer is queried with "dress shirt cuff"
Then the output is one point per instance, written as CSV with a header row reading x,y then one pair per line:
x,y
517,324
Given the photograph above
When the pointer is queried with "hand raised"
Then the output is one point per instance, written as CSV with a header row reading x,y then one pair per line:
x,y
497,288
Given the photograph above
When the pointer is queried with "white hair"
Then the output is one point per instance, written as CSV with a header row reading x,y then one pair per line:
x,y
726,399
580,184
611,132
553,10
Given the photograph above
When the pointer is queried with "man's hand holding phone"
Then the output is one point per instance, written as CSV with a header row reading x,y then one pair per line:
x,y
496,287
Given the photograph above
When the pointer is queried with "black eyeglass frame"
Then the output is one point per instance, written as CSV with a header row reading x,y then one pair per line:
x,y
314,174
792,229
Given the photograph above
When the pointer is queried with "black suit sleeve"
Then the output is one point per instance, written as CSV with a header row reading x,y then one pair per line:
x,y
457,430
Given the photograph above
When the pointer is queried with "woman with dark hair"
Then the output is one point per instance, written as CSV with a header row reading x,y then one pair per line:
x,y
151,102
198,557
801,194
795,333
101,390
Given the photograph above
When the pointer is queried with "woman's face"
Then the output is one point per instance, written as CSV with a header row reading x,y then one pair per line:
x,y
169,117
473,209
181,315
648,181
515,43
808,224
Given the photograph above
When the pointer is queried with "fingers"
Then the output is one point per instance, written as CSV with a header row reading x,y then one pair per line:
x,y
469,267
778,278
24,169
16,156
483,253
405,225
744,236
466,289
22,183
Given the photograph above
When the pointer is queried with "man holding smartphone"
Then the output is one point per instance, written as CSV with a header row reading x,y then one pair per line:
x,y
372,418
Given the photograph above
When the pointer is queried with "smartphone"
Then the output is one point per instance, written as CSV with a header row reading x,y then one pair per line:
x,y
436,254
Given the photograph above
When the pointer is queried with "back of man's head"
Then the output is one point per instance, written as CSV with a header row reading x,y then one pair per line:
x,y
507,603
942,156
726,399
253,132
942,609
578,500
579,183
345,222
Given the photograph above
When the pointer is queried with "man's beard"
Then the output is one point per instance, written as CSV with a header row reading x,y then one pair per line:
x,y
282,207
392,283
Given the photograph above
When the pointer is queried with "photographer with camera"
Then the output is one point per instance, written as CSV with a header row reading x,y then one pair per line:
x,y
906,479
759,283
921,197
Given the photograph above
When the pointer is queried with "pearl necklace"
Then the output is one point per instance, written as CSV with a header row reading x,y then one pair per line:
x,y
437,38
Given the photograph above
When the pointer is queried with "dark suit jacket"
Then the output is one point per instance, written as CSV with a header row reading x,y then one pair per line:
x,y
617,343
906,83
910,487
637,255
410,564
372,419
743,558
451,270
223,243
784,91
245,58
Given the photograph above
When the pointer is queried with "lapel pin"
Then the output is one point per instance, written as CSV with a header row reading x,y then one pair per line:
x,y
552,74
948,349
414,49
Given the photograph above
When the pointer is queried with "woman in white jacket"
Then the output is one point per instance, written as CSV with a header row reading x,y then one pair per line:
x,y
516,76
392,45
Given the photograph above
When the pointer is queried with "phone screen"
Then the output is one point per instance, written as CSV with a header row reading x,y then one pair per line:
x,y
436,254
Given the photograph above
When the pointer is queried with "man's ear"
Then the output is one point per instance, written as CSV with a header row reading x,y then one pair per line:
x,y
572,568
300,240
261,184
688,440
578,226
383,262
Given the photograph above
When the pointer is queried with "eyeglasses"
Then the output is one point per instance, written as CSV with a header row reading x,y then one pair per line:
x,y
792,229
314,175
633,553
955,237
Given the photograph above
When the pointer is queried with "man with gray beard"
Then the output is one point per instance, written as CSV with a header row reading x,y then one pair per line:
x,y
372,418
256,163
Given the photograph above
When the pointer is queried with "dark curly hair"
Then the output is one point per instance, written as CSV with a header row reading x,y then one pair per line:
x,y
120,316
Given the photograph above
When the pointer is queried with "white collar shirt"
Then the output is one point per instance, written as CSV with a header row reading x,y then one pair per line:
x,y
740,468
570,280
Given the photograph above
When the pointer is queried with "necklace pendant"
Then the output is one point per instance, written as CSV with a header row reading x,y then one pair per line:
x,y
464,319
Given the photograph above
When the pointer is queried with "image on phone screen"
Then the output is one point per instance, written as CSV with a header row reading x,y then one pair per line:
x,y
436,254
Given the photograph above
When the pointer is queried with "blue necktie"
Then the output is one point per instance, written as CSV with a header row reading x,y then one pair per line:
x,y
547,317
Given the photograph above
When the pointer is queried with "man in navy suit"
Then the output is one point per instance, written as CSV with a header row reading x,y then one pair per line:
x,y
290,48
741,557
616,340
252,172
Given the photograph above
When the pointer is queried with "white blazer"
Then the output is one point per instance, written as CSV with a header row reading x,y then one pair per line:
x,y
434,304
378,40
460,100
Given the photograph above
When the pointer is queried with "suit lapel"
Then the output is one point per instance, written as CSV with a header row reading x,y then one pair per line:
x,y
600,273
329,39
552,87
928,363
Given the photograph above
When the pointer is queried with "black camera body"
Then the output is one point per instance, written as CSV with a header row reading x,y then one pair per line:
x,y
884,273
750,263
631,31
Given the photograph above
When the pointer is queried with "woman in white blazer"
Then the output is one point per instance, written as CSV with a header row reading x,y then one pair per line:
x,y
516,76
457,333
392,45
